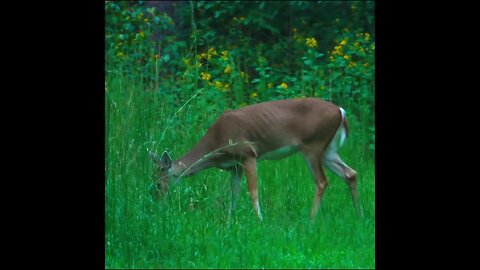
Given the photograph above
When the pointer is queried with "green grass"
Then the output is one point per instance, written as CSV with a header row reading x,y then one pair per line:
x,y
189,228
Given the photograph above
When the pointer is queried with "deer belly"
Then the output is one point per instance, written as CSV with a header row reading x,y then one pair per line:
x,y
280,153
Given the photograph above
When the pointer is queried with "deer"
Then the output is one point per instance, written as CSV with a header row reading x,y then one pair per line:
x,y
271,130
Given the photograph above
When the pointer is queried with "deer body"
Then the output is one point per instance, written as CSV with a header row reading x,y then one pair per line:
x,y
269,130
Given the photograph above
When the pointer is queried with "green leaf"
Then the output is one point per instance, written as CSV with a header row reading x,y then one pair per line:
x,y
308,62
166,57
256,80
151,10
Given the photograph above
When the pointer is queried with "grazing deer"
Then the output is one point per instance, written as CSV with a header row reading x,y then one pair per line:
x,y
269,130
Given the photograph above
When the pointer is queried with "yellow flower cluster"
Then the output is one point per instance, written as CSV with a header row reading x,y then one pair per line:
x,y
211,52
338,50
254,95
283,85
224,55
222,87
206,76
227,70
218,84
202,56
311,42
366,35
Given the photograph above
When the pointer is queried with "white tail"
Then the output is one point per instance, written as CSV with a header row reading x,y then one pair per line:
x,y
269,130
343,129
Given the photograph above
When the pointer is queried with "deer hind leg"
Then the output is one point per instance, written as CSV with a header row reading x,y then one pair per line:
x,y
237,173
250,167
333,161
320,180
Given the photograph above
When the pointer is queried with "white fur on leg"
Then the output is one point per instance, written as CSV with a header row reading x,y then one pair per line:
x,y
259,213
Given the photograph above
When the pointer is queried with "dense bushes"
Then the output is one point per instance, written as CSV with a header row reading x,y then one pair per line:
x,y
238,53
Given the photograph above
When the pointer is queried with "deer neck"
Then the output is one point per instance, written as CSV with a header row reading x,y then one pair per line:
x,y
197,159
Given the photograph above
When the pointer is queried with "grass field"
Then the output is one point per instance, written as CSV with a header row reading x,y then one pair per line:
x,y
189,228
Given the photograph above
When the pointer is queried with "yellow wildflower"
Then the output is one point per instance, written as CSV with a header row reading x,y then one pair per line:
x,y
218,85
343,43
311,42
142,34
226,86
352,64
283,85
346,57
206,76
202,55
211,52
227,70
224,55
120,54
365,65
254,95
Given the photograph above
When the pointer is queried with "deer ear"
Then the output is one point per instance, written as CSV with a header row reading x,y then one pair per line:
x,y
165,161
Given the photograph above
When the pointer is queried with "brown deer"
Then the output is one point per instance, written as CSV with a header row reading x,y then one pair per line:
x,y
269,130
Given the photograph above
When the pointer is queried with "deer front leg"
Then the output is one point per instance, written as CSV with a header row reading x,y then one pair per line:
x,y
250,167
237,173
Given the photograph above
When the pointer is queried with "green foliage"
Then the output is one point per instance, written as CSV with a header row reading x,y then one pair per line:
x,y
129,46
